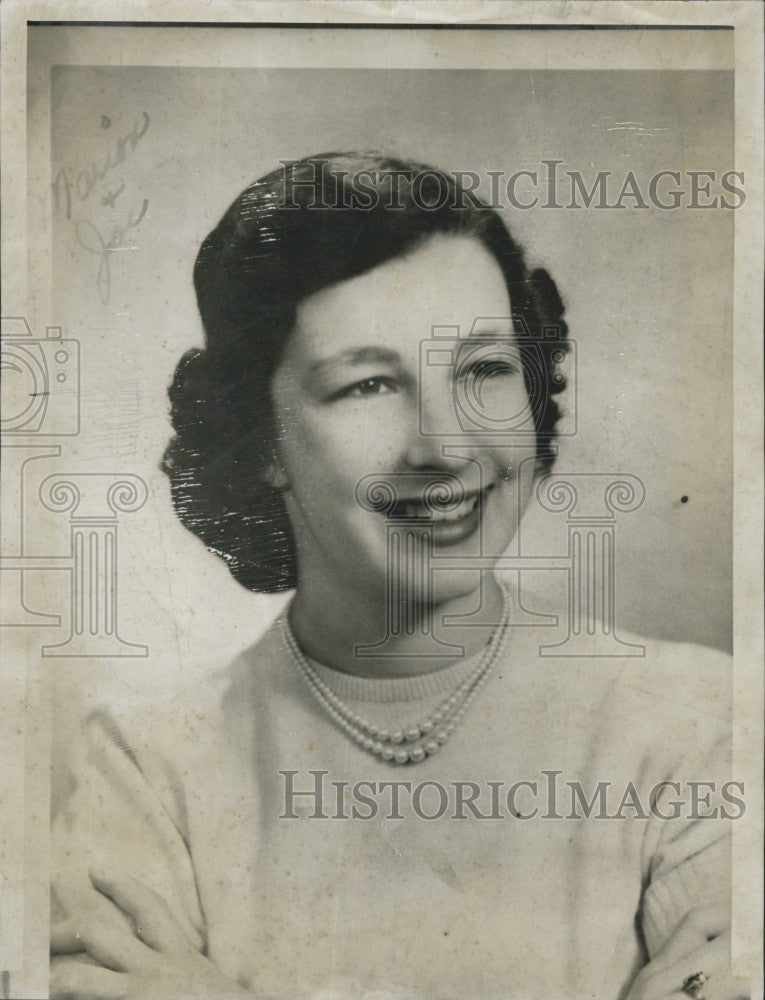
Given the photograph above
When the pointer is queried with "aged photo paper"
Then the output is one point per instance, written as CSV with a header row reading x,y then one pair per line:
x,y
381,548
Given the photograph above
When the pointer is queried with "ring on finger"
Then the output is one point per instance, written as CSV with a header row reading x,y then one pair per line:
x,y
693,986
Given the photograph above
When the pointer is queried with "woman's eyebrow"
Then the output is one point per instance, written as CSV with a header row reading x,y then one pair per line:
x,y
356,356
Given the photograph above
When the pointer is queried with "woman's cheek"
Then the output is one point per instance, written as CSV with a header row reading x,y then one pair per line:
x,y
390,430
368,441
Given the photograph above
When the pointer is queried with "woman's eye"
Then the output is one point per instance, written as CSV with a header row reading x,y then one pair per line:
x,y
491,368
375,386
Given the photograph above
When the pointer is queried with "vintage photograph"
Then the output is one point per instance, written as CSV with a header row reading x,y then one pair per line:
x,y
377,581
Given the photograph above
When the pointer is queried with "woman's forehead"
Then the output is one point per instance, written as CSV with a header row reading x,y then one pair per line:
x,y
446,283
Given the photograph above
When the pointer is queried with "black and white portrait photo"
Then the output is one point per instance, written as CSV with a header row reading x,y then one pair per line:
x,y
381,503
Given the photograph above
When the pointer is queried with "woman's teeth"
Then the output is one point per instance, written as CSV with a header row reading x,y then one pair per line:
x,y
415,508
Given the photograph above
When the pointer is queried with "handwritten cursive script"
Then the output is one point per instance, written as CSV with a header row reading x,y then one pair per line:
x,y
69,186
93,241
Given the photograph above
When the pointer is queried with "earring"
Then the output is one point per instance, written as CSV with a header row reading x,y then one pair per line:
x,y
276,477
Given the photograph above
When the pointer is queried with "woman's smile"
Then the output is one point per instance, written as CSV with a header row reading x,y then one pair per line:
x,y
452,522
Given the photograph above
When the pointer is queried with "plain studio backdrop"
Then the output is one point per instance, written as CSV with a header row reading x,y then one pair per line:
x,y
648,295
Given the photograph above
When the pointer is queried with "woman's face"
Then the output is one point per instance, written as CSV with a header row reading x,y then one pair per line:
x,y
355,394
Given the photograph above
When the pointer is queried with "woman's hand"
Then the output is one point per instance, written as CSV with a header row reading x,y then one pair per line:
x,y
153,958
701,943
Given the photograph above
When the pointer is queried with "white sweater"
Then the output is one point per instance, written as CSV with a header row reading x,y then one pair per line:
x,y
188,797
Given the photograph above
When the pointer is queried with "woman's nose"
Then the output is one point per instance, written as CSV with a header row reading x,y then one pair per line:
x,y
435,428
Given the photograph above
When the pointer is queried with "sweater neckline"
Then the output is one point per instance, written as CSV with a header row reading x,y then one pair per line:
x,y
433,683
396,689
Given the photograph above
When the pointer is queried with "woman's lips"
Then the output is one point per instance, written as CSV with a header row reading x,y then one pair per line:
x,y
450,525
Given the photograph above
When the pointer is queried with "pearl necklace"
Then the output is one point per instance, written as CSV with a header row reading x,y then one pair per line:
x,y
412,743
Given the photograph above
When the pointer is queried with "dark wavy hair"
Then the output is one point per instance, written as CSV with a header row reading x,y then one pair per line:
x,y
290,234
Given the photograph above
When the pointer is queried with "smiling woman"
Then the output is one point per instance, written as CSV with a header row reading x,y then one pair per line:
x,y
377,387
349,402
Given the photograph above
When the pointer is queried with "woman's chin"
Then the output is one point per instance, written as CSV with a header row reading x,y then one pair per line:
x,y
454,586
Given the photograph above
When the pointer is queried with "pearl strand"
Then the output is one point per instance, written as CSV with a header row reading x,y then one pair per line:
x,y
412,743
409,733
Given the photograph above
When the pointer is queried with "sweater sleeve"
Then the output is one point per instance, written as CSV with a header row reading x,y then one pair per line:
x,y
116,822
691,862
